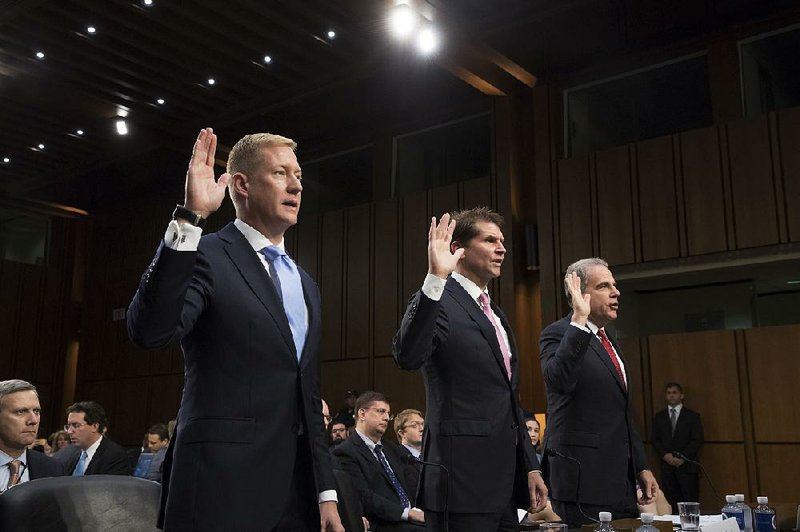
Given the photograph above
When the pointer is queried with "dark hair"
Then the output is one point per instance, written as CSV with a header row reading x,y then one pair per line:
x,y
673,385
159,430
366,399
92,411
465,229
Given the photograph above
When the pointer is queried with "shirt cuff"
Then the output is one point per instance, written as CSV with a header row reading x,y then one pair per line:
x,y
581,327
433,286
404,515
327,495
182,236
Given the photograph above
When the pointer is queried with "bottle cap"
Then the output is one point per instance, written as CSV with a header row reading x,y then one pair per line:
x,y
739,497
730,498
647,518
605,517
762,500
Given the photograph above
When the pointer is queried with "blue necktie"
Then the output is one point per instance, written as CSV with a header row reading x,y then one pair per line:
x,y
404,500
81,467
287,281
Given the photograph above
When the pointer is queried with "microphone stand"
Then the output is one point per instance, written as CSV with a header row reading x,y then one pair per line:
x,y
558,454
683,457
407,458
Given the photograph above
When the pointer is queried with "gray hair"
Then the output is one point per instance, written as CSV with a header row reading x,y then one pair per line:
x,y
13,386
582,268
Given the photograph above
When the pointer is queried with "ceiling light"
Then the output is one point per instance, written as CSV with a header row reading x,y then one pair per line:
x,y
427,41
402,21
331,34
148,2
160,101
91,29
6,160
79,132
40,146
211,81
267,59
122,127
40,55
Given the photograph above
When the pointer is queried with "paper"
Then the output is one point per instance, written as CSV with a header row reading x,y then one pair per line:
x,y
704,519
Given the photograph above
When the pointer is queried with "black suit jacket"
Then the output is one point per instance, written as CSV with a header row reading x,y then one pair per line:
x,y
42,466
588,417
473,422
245,395
109,459
379,499
412,468
687,440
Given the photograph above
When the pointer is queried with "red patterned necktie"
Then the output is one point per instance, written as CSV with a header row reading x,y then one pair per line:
x,y
610,350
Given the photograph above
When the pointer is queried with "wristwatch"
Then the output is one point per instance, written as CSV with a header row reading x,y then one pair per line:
x,y
190,216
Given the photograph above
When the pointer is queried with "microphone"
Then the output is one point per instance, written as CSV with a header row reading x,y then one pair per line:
x,y
683,457
558,454
409,459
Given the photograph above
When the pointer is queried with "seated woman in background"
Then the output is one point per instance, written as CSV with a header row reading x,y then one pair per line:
x,y
534,431
58,440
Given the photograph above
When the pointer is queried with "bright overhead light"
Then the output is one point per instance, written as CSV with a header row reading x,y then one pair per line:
x,y
40,55
40,146
331,34
6,160
160,101
148,2
91,29
79,132
402,21
122,127
211,81
427,41
267,59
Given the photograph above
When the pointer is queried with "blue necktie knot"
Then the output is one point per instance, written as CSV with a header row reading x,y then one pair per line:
x,y
273,252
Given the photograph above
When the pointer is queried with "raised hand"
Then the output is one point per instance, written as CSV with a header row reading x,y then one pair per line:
x,y
580,302
441,262
204,194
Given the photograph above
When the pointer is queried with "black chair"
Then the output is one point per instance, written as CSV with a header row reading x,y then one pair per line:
x,y
350,508
92,503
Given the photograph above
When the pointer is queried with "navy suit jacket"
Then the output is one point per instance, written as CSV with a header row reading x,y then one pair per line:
x,y
109,459
687,440
245,396
588,418
473,424
42,466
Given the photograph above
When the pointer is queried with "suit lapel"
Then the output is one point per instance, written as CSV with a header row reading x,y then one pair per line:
x,y
476,314
370,456
96,459
250,267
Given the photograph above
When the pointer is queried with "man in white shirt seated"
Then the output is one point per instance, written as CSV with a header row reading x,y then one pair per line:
x,y
86,426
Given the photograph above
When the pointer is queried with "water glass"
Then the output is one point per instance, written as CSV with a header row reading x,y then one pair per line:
x,y
690,515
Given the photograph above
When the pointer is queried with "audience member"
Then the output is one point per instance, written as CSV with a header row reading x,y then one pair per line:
x,y
346,414
20,414
534,430
677,429
409,426
376,468
58,440
337,433
86,424
158,441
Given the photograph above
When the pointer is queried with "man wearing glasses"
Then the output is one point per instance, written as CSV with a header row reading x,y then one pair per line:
x,y
376,469
86,425
19,423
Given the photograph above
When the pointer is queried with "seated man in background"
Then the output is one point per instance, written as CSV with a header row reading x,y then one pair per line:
x,y
337,432
86,424
376,468
157,442
20,414
409,426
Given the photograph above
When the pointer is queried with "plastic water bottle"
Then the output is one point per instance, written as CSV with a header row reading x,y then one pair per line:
x,y
647,524
764,516
748,513
731,509
605,523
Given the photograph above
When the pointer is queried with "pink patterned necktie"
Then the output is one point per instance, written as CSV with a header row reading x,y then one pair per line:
x,y
610,350
483,299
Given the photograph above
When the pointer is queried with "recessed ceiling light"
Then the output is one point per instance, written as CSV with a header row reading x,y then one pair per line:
x,y
427,41
79,132
211,81
6,160
40,146
122,127
91,29
148,2
267,59
402,21
40,55
331,34
160,101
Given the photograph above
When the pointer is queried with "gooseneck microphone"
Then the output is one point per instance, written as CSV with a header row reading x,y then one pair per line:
x,y
409,459
557,454
683,457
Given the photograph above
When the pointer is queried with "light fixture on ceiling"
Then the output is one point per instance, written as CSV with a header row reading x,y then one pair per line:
x,y
40,146
79,132
91,30
161,101
147,2
427,41
267,59
211,81
6,160
40,55
403,21
331,34
122,127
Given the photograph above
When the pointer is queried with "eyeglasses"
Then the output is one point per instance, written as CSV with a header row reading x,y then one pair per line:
x,y
73,426
415,425
381,412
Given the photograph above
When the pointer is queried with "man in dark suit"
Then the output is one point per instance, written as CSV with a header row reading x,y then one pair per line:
x,y
588,407
249,451
86,426
20,413
465,348
376,469
409,426
678,429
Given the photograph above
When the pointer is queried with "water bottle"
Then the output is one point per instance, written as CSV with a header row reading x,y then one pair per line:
x,y
731,509
605,523
647,524
764,516
748,513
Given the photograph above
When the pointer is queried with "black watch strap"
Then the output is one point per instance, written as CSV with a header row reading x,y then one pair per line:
x,y
190,216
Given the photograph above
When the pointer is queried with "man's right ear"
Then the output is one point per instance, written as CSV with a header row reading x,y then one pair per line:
x,y
240,183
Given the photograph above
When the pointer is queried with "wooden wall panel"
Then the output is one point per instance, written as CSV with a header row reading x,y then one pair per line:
x,y
10,277
614,206
388,300
128,416
339,376
357,316
404,388
773,355
575,217
330,284
725,464
165,399
752,183
308,245
789,131
415,225
778,471
703,191
694,359
29,307
476,193
444,199
658,212
633,364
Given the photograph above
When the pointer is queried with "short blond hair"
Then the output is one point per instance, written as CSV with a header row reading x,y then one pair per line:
x,y
401,419
245,156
